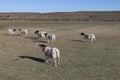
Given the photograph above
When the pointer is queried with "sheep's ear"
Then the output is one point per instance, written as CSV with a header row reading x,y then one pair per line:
x,y
45,45
40,44
82,33
46,34
36,31
14,29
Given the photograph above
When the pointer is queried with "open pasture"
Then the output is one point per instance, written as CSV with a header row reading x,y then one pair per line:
x,y
22,59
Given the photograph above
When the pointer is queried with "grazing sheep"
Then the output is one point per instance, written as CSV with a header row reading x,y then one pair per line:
x,y
24,32
53,53
11,31
40,34
50,37
90,37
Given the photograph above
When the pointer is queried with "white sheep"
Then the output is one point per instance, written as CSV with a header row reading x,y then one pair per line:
x,y
50,37
53,53
90,37
40,34
11,31
24,32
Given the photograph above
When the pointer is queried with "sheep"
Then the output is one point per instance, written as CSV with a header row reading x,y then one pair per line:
x,y
50,37
52,53
24,32
11,31
90,37
40,34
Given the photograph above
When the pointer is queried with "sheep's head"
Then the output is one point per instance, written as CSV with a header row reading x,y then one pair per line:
x,y
19,29
14,30
42,46
36,31
46,34
82,33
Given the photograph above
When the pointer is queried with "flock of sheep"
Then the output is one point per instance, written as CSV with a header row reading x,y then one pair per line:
x,y
50,52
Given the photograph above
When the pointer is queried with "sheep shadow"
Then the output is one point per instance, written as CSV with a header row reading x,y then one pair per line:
x,y
40,41
35,39
76,40
5,34
11,35
33,58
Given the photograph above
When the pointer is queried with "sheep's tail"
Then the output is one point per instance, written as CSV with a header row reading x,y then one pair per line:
x,y
57,53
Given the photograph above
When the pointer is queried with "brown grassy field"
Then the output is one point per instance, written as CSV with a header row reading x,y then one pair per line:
x,y
105,16
22,59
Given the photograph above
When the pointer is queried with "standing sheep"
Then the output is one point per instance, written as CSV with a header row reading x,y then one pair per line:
x,y
24,32
50,37
40,34
53,53
90,37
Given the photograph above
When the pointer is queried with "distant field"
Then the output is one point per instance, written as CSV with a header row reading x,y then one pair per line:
x,y
22,59
87,16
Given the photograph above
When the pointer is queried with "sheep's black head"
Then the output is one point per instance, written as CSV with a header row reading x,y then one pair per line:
x,y
42,46
82,33
46,34
36,31
14,30
19,29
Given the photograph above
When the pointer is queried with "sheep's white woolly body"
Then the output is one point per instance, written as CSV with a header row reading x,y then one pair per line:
x,y
47,52
24,32
51,37
43,35
53,53
11,31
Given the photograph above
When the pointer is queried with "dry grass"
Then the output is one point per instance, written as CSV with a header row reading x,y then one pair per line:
x,y
22,59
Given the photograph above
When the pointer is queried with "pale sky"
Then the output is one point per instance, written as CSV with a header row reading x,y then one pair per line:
x,y
44,6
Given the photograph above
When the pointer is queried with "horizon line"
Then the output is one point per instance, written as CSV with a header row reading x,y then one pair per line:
x,y
63,11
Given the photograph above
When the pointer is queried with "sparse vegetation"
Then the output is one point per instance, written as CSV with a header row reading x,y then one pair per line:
x,y
22,59
105,16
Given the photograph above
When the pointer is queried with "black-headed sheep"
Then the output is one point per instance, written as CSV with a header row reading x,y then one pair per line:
x,y
90,37
50,52
11,31
40,34
50,37
24,32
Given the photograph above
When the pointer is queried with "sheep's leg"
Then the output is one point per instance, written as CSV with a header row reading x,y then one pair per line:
x,y
55,63
91,41
52,41
58,61
48,41
47,60
94,38
26,35
9,33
